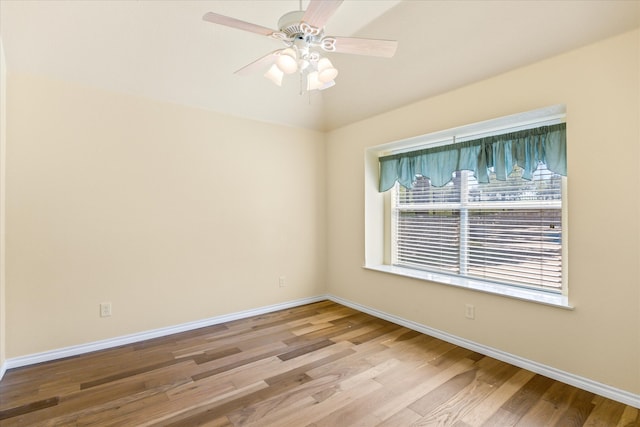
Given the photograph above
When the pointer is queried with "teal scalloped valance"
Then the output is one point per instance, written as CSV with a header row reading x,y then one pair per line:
x,y
526,148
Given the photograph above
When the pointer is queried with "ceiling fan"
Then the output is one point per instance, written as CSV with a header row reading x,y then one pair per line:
x,y
302,33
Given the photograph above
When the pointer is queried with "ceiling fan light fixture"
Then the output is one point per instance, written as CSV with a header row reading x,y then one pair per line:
x,y
327,75
302,32
287,61
326,71
327,85
275,75
324,63
304,64
313,82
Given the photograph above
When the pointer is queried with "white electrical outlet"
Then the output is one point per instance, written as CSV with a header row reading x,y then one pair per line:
x,y
282,281
469,311
105,309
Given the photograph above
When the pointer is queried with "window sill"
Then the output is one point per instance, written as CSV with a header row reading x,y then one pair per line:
x,y
539,297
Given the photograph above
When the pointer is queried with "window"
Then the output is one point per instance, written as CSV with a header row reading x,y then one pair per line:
x,y
478,206
508,232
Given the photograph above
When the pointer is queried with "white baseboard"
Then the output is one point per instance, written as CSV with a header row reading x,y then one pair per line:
x,y
76,350
577,381
605,390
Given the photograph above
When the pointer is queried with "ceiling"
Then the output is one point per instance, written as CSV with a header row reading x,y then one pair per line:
x,y
164,50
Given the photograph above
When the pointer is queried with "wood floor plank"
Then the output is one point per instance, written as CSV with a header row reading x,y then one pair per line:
x,y
283,404
125,374
321,365
30,407
366,412
244,340
215,413
520,403
550,407
333,331
98,414
605,413
246,357
124,390
316,411
215,354
307,364
376,333
630,417
444,392
161,414
489,375
317,345
277,385
325,384
352,364
432,378
480,414
422,348
406,417
350,333
352,414
578,411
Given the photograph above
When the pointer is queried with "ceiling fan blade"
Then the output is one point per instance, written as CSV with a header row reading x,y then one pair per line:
x,y
319,11
370,47
259,64
236,23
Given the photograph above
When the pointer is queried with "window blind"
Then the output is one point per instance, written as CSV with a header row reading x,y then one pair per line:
x,y
503,231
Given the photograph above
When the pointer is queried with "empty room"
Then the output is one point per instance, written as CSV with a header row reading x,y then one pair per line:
x,y
320,213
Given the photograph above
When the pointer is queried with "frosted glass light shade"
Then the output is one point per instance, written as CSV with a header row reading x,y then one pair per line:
x,y
324,63
313,82
287,61
326,71
327,85
328,75
275,75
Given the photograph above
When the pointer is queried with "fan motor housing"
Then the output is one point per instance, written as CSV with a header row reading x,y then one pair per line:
x,y
289,24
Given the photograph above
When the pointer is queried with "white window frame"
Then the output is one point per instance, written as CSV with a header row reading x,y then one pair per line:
x,y
378,221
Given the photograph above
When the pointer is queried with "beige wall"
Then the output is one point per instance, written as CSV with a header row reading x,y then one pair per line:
x,y
600,339
172,214
3,137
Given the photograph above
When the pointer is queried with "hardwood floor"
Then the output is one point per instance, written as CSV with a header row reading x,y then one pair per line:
x,y
321,364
